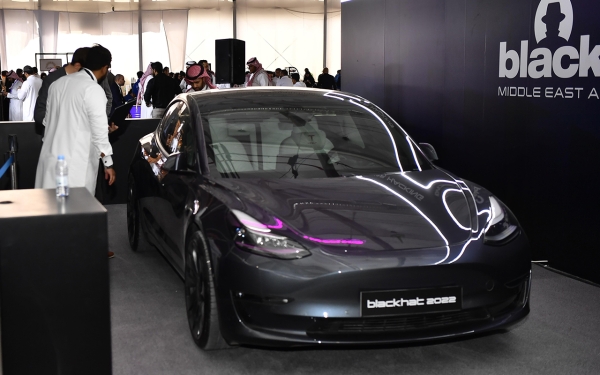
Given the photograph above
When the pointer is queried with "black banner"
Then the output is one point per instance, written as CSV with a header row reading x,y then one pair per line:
x,y
507,91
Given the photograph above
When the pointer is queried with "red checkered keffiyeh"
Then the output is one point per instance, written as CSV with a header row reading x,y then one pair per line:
x,y
14,76
196,71
147,74
254,62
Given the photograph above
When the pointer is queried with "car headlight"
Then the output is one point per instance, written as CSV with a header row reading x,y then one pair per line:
x,y
257,238
500,229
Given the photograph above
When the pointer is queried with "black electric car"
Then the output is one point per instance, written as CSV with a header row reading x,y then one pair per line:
x,y
305,217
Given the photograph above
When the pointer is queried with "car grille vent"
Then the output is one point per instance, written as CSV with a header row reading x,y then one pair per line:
x,y
394,324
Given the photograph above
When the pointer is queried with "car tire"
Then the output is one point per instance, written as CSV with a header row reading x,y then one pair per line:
x,y
135,233
200,299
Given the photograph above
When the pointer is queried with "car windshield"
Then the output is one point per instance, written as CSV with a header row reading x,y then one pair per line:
x,y
318,136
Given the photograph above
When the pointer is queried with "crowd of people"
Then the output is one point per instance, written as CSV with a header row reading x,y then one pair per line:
x,y
21,88
73,104
257,76
154,88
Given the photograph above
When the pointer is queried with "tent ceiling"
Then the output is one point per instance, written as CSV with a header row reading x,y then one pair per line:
x,y
105,6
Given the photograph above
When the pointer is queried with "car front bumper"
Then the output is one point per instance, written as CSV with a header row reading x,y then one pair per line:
x,y
268,304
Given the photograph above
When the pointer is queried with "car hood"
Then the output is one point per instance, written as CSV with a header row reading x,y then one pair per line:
x,y
393,211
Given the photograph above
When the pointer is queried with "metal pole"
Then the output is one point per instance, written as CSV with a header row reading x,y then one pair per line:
x,y
13,146
234,20
324,33
141,55
40,34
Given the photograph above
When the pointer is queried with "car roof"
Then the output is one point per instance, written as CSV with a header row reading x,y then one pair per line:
x,y
201,97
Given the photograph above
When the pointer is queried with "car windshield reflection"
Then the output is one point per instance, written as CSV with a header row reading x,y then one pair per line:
x,y
325,139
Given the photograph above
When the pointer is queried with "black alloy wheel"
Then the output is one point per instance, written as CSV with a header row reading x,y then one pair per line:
x,y
200,299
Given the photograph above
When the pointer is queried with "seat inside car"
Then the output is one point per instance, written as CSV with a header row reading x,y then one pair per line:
x,y
302,147
305,140
230,154
273,132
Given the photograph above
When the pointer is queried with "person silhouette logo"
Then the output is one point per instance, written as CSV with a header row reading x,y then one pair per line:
x,y
553,20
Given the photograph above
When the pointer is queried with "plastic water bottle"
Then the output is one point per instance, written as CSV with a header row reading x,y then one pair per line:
x,y
62,177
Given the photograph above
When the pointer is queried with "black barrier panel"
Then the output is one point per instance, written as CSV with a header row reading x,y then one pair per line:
x,y
124,144
30,144
54,287
509,94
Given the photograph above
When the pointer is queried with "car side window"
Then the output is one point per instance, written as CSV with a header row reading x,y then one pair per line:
x,y
183,139
168,126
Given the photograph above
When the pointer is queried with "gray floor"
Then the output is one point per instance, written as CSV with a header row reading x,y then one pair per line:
x,y
150,333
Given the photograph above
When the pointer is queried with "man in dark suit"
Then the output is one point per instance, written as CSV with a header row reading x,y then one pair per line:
x,y
161,90
326,81
117,94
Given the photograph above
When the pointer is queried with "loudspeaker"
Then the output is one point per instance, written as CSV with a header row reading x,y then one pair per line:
x,y
231,61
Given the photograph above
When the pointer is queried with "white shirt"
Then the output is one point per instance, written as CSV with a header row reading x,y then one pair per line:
x,y
274,81
262,79
15,108
145,111
28,94
285,81
183,85
76,127
299,84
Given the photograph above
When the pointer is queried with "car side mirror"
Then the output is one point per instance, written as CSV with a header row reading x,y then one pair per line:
x,y
176,162
429,151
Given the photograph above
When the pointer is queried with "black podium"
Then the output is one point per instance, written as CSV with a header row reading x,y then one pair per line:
x,y
54,289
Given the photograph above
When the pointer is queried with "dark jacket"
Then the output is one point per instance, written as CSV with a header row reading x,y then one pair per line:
x,y
117,97
136,88
326,81
40,105
309,80
161,90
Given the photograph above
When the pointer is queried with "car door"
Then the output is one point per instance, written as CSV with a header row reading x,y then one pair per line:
x,y
177,188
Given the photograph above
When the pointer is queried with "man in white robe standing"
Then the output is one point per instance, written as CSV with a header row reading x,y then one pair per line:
x,y
76,126
29,92
296,80
259,77
145,110
285,80
15,108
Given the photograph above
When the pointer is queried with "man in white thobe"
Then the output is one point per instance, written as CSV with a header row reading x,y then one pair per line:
x,y
259,77
29,92
15,108
145,110
296,80
76,126
285,80
276,77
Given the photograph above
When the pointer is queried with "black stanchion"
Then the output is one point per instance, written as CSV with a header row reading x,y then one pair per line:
x,y
13,146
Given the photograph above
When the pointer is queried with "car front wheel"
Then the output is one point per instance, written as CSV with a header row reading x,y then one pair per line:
x,y
200,300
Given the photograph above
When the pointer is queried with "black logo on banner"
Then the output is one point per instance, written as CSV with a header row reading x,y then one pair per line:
x,y
551,57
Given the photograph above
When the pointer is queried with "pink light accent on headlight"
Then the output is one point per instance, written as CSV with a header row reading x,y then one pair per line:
x,y
334,241
279,224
